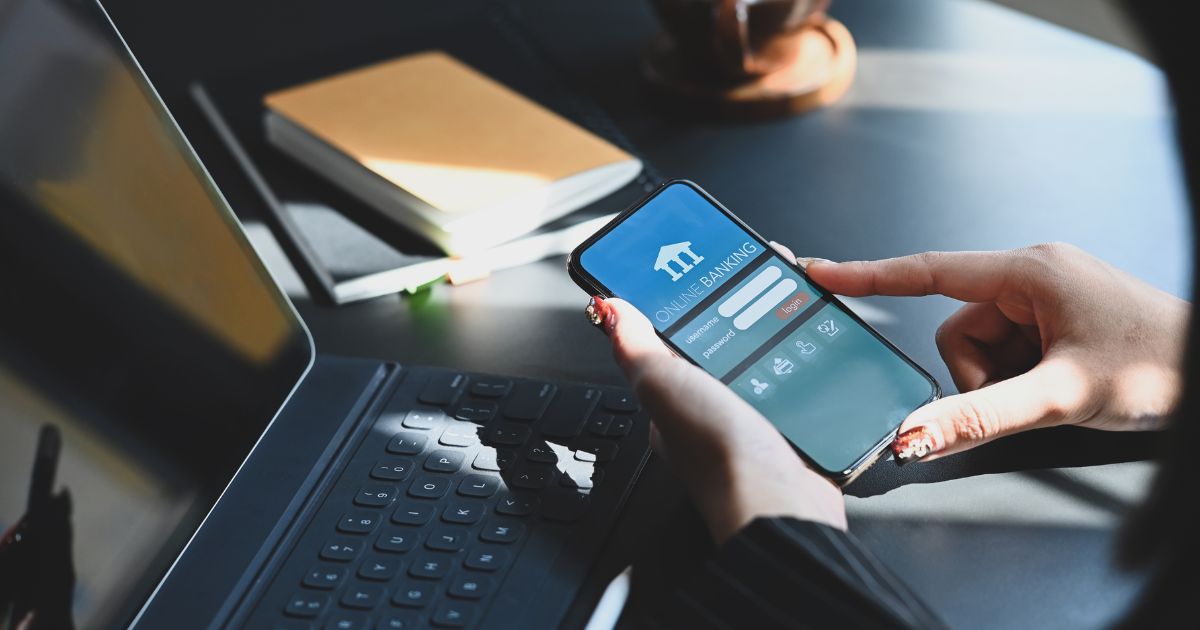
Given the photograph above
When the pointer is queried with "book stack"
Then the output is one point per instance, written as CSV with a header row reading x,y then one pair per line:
x,y
444,150
424,157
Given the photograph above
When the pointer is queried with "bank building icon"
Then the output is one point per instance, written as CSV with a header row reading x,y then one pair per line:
x,y
671,259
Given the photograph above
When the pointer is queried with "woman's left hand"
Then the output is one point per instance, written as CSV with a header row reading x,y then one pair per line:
x,y
735,464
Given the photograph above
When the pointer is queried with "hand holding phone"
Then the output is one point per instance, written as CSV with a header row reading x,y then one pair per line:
x,y
735,464
718,295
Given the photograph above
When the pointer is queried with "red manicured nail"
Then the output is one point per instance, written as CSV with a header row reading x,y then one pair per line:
x,y
914,444
600,314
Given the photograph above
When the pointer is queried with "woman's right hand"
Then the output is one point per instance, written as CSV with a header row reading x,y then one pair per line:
x,y
1050,335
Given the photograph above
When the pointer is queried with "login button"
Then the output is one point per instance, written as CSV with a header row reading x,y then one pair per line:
x,y
793,305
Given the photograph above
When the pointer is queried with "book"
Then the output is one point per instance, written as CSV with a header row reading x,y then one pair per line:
x,y
444,150
344,250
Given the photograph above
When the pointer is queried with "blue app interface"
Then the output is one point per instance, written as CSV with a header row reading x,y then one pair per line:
x,y
750,319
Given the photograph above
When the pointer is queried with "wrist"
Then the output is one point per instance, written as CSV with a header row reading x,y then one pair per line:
x,y
785,487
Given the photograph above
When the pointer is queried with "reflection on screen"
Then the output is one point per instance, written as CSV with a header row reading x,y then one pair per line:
x,y
750,319
143,348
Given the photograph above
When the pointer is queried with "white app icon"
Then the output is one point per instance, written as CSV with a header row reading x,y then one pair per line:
x,y
828,327
805,347
782,366
671,259
759,386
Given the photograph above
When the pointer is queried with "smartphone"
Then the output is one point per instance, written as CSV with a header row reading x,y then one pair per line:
x,y
722,298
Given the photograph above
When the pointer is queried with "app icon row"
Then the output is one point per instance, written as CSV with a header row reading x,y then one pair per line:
x,y
798,351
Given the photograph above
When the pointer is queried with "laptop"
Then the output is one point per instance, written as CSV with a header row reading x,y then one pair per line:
x,y
174,452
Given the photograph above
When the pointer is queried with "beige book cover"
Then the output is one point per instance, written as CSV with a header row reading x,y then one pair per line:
x,y
450,136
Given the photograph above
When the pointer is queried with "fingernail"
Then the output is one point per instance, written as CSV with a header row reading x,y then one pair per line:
x,y
600,314
805,261
917,443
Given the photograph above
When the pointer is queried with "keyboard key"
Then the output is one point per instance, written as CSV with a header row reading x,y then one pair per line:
x,y
430,566
504,531
413,594
463,512
620,426
528,400
324,577
340,549
412,513
446,539
490,387
460,434
423,419
443,389
478,486
541,454
444,461
306,605
620,402
395,540
392,469
485,459
379,568
341,620
598,425
362,596
375,496
571,408
532,477
397,621
494,459
584,478
508,434
467,586
426,487
487,558
358,522
599,451
453,615
407,443
564,505
477,411
516,504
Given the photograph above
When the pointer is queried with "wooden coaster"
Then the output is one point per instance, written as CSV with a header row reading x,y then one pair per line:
x,y
820,72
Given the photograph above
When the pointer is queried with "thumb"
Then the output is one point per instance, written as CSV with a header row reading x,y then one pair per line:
x,y
1053,392
679,395
634,342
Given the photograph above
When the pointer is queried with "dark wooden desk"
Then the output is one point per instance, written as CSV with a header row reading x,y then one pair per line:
x,y
968,127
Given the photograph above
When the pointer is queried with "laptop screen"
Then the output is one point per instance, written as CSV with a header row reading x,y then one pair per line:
x,y
143,347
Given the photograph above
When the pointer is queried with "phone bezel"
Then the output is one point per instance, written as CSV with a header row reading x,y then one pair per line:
x,y
592,286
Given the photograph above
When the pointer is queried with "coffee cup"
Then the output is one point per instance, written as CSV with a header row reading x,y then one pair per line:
x,y
736,39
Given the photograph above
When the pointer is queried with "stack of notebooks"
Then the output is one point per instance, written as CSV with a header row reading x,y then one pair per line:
x,y
395,171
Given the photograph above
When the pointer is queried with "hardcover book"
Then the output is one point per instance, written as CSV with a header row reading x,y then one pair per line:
x,y
346,250
444,150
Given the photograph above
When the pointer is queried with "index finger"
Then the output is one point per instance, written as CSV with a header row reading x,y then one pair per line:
x,y
966,276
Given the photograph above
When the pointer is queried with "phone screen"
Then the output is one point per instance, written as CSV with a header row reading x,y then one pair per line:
x,y
724,299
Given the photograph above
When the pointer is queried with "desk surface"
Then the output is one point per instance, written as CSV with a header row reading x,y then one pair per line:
x,y
968,127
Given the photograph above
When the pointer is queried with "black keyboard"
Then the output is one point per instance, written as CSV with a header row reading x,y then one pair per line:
x,y
471,502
